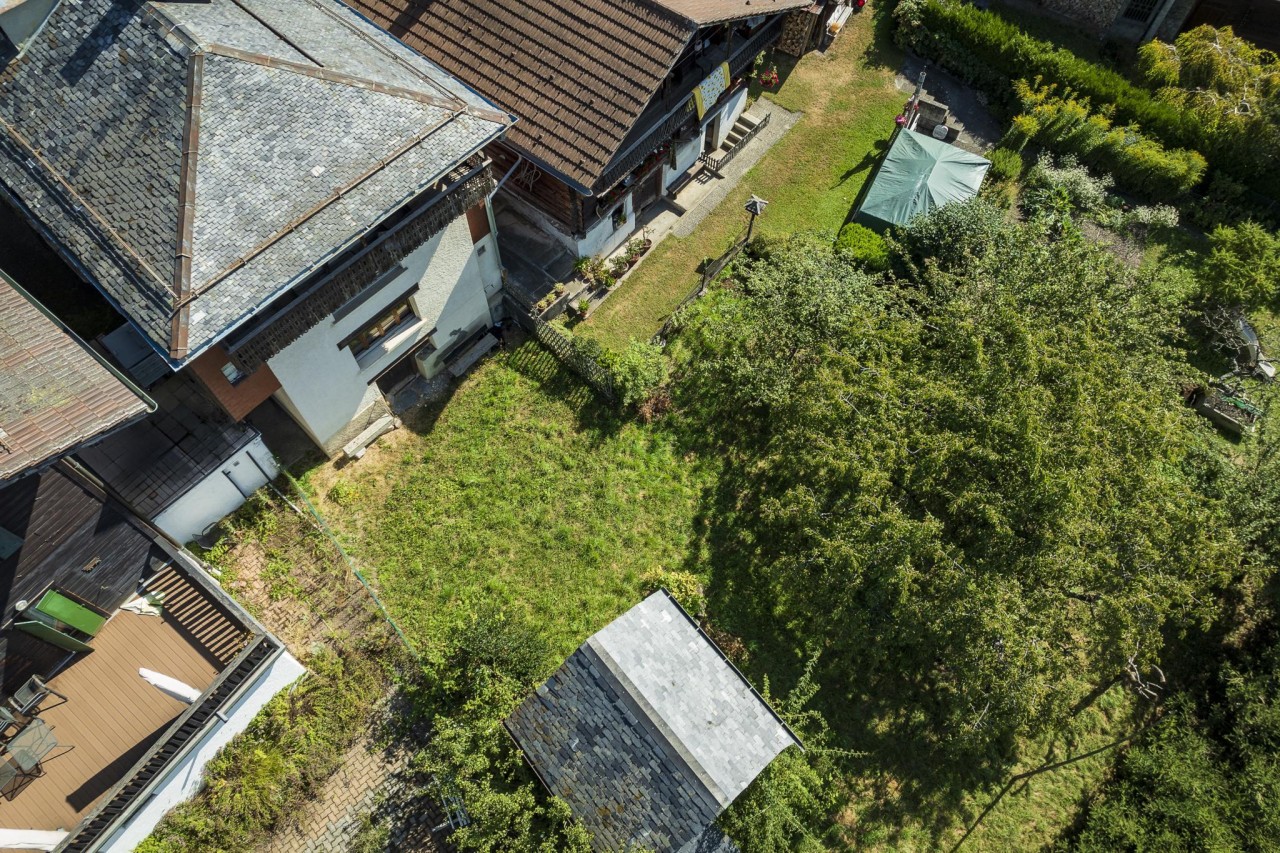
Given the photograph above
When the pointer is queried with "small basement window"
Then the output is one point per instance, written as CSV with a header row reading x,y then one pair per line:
x,y
386,325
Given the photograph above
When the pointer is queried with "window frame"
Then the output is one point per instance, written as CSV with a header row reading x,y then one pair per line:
x,y
400,311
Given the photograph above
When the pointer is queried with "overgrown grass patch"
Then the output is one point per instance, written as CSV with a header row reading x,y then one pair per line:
x,y
525,491
268,771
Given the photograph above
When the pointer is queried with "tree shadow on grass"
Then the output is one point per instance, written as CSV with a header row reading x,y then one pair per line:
x,y
597,418
906,778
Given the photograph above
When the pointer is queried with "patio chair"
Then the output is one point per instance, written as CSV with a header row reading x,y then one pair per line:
x,y
9,779
7,721
29,696
29,749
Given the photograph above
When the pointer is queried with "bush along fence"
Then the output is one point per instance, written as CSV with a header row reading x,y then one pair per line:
x,y
989,52
561,345
710,271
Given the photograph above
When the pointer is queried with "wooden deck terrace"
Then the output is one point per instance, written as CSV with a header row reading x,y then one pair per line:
x,y
112,717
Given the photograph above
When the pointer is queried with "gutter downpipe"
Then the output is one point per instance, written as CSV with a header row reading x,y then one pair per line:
x,y
1156,23
488,209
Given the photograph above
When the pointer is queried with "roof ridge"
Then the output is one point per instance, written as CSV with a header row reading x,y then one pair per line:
x,y
345,21
49,171
180,322
381,164
627,690
342,78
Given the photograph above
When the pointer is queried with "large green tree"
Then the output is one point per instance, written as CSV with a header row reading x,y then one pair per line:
x,y
975,480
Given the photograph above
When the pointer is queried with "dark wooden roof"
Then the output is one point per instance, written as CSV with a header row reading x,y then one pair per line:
x,y
72,538
576,73
705,12
55,393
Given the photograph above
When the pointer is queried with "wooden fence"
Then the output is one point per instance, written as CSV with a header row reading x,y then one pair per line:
x,y
710,271
560,344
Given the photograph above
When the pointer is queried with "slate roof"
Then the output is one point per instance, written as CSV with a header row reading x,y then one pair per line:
x,y
196,160
647,731
578,73
55,393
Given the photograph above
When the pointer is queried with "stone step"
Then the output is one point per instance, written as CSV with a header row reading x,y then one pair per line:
x,y
464,362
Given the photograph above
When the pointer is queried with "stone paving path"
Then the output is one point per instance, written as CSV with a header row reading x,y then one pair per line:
x,y
332,820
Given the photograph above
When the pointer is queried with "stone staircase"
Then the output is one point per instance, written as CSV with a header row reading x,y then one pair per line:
x,y
743,130
744,125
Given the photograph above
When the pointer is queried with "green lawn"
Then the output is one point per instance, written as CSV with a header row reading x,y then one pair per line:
x,y
521,489
811,177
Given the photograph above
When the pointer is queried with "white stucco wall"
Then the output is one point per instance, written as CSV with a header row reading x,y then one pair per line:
x,y
325,387
603,239
732,109
185,777
686,156
219,494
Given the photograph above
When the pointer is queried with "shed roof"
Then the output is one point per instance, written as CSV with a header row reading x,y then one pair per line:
x,y
55,393
647,731
919,174
198,159
578,73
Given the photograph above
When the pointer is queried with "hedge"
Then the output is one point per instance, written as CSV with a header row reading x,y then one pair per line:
x,y
990,52
1138,163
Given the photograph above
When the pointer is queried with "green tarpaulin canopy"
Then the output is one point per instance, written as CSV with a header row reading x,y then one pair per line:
x,y
919,174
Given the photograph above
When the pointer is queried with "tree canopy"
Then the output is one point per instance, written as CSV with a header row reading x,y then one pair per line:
x,y
973,477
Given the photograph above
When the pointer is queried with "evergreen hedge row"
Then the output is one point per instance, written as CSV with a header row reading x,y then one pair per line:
x,y
990,53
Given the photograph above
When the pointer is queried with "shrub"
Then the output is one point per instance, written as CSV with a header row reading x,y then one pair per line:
x,y
1067,125
954,235
684,587
1006,164
1051,185
638,371
864,246
1243,265
497,642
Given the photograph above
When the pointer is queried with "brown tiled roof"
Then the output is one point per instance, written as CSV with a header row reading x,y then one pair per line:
x,y
577,73
54,392
713,11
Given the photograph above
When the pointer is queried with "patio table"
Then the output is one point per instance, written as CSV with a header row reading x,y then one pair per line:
x,y
29,747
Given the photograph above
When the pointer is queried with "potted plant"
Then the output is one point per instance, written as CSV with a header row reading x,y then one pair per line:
x,y
769,79
637,247
618,266
583,306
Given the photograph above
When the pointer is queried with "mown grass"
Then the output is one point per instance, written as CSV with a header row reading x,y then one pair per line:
x,y
811,178
523,490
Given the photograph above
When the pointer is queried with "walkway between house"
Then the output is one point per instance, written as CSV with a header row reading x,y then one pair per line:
x,y
779,123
